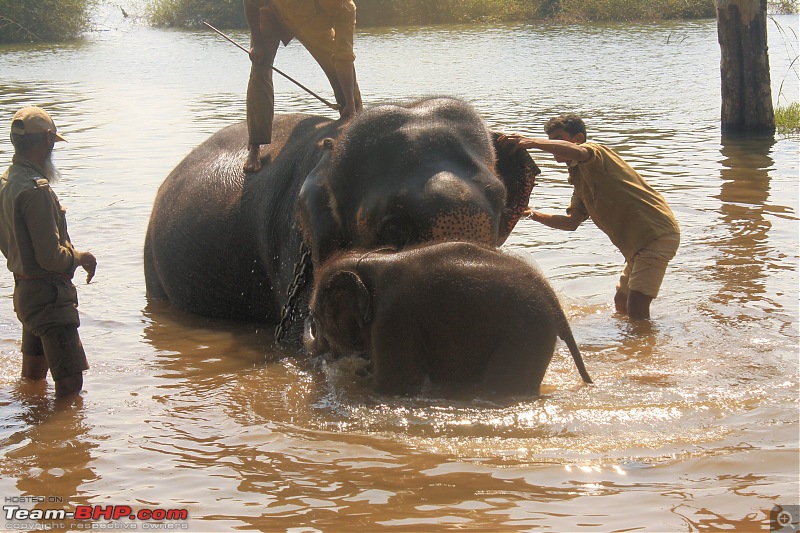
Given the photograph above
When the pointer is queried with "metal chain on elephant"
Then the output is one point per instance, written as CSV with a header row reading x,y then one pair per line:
x,y
291,312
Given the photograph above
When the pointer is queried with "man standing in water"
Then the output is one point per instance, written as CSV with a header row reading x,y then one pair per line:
x,y
635,217
34,240
325,28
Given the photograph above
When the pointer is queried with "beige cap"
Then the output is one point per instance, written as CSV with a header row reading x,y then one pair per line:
x,y
34,120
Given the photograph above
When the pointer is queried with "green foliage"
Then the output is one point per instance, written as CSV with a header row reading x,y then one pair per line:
x,y
399,12
190,13
783,7
43,20
787,119
627,10
230,13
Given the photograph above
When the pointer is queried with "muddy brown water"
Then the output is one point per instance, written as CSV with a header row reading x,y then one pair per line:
x,y
692,423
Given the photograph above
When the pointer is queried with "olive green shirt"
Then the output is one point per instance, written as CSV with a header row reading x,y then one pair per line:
x,y
619,201
33,225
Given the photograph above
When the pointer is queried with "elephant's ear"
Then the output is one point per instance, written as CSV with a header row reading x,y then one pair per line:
x,y
318,221
518,172
348,286
346,307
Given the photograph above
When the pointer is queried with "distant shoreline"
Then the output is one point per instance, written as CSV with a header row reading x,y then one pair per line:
x,y
382,13
68,20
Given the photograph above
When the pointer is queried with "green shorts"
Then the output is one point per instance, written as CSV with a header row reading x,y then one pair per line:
x,y
48,310
646,272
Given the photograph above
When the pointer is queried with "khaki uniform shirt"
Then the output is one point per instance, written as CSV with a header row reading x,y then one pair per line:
x,y
619,201
33,225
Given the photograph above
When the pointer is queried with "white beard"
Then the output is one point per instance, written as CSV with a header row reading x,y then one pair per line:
x,y
50,171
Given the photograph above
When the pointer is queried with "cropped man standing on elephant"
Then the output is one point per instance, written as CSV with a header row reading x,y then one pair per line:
x,y
34,240
326,29
635,217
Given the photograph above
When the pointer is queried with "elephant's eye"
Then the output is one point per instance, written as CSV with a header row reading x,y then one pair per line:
x,y
395,230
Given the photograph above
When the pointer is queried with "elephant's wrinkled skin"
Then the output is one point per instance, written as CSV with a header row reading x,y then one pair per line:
x,y
470,318
224,244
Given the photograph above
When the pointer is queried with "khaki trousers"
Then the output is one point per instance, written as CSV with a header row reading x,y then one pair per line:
x,y
318,38
48,311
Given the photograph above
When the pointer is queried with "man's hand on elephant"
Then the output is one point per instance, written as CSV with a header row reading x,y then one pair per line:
x,y
533,215
570,222
514,140
88,262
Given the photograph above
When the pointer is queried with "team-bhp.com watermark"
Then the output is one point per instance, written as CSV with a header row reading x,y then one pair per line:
x,y
19,516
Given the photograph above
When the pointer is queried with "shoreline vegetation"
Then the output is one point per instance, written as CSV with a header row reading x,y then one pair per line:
x,y
377,13
62,20
44,20
382,13
787,120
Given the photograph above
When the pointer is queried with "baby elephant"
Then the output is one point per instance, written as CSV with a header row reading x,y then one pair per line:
x,y
471,319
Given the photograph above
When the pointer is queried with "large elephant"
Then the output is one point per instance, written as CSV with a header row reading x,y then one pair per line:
x,y
224,244
470,319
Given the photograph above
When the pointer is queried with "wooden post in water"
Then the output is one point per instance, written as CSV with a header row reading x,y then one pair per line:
x,y
744,68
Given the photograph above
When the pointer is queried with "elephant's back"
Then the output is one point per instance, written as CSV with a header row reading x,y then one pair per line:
x,y
203,247
201,192
465,275
189,234
214,168
213,171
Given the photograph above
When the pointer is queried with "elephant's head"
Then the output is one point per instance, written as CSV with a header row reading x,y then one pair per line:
x,y
402,175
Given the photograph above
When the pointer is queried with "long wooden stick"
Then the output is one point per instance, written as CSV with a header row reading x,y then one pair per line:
x,y
306,89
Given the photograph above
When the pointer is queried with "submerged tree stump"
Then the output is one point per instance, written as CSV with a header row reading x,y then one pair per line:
x,y
744,68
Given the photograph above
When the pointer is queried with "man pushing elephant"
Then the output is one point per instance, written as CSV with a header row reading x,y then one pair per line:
x,y
325,28
619,201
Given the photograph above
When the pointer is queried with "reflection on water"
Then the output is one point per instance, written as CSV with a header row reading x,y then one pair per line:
x,y
692,422
745,256
53,439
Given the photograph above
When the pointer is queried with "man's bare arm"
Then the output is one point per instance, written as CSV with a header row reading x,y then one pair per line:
x,y
561,149
568,222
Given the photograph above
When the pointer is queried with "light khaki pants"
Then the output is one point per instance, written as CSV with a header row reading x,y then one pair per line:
x,y
318,39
